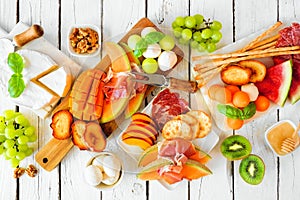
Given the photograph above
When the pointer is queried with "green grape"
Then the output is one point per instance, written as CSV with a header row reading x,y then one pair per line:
x,y
167,43
29,151
23,139
199,19
5,156
186,34
216,36
21,119
197,36
11,152
14,162
174,25
216,25
202,46
190,22
9,143
2,119
19,132
9,114
2,138
33,138
2,128
206,33
180,21
177,32
2,149
29,131
183,41
194,44
132,40
10,122
10,133
23,147
211,47
20,155
150,65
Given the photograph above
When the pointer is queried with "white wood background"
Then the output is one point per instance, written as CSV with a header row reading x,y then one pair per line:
x,y
114,17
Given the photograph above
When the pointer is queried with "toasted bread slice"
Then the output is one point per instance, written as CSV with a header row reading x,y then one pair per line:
x,y
258,69
204,122
236,75
176,128
192,121
78,130
61,124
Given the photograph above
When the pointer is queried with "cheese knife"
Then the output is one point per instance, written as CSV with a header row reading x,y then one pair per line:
x,y
163,81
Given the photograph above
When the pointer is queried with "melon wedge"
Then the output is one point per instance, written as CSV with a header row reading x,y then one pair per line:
x,y
112,109
277,82
193,170
151,171
151,154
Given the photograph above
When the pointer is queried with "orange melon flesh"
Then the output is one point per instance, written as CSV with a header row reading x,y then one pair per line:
x,y
130,53
134,104
118,57
200,156
193,170
151,171
112,109
172,177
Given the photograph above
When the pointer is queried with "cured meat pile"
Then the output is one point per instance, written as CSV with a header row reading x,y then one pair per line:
x,y
290,36
166,106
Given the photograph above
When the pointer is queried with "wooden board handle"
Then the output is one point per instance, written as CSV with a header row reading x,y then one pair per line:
x,y
188,86
53,153
33,32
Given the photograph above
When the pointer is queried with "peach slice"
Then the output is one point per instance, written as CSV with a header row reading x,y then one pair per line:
x,y
94,137
137,142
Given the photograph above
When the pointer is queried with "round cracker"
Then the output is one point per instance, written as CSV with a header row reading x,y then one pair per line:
x,y
177,128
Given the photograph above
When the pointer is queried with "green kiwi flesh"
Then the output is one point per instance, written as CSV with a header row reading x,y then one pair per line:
x,y
252,169
236,147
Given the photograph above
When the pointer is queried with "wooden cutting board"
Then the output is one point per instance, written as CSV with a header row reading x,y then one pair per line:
x,y
53,152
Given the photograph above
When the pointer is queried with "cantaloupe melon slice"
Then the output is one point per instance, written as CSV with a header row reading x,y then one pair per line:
x,y
151,171
193,170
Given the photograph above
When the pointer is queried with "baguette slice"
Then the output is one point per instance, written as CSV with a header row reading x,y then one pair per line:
x,y
204,121
177,128
61,124
236,75
78,130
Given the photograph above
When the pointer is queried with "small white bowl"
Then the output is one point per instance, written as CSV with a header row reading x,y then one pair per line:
x,y
70,48
103,186
273,126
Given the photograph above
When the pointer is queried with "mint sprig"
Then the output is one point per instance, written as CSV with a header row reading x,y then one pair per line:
x,y
16,84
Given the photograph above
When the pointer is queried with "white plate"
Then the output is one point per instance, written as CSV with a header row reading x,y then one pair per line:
x,y
211,104
206,144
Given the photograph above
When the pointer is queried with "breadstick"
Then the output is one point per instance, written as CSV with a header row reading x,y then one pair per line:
x,y
266,41
269,45
198,67
248,53
256,40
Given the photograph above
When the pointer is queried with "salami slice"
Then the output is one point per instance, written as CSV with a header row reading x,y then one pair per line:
x,y
166,106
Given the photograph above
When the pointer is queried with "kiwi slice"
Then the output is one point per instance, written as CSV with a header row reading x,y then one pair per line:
x,y
252,169
236,147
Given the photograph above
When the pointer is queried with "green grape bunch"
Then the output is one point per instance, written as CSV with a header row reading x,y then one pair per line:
x,y
201,34
15,135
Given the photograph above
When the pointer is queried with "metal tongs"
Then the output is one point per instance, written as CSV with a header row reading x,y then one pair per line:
x,y
162,81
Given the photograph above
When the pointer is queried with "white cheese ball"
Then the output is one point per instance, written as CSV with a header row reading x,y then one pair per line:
x,y
152,51
166,60
251,90
111,166
147,30
110,180
93,175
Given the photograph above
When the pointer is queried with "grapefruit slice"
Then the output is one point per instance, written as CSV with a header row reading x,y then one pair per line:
x,y
277,82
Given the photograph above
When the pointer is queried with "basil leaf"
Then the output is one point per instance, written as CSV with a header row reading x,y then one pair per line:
x,y
249,111
229,111
140,47
236,113
15,62
154,37
16,85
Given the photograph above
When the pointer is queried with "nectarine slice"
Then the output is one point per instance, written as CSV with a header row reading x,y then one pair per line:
x,y
137,142
137,134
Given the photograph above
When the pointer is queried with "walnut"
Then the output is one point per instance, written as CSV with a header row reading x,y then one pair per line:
x,y
18,172
84,40
31,171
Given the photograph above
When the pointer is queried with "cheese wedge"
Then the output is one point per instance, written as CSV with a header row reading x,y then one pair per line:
x,y
45,82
